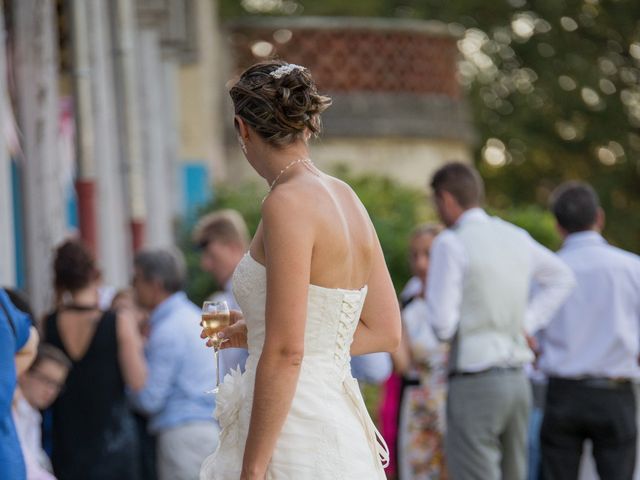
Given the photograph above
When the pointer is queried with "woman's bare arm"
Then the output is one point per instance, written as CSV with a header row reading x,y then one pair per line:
x,y
288,247
130,351
402,357
379,329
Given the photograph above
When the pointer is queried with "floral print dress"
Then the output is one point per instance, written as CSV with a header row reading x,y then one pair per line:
x,y
422,408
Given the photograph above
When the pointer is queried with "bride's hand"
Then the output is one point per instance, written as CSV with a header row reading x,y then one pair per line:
x,y
235,334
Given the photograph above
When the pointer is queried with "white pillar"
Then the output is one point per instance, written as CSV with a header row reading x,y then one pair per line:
x,y
125,33
7,246
113,239
36,65
171,98
218,70
159,227
81,34
86,189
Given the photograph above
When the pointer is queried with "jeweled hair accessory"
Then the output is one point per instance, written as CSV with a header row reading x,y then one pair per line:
x,y
285,70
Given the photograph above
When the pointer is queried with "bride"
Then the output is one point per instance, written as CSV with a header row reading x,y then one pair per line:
x,y
314,289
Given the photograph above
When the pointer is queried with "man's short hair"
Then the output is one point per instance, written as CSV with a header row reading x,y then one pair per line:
x,y
225,226
165,266
462,181
575,206
47,352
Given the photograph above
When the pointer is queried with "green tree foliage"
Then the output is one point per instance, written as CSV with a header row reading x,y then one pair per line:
x,y
554,86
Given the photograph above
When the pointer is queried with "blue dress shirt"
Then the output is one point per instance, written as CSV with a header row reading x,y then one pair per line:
x,y
372,367
597,331
180,368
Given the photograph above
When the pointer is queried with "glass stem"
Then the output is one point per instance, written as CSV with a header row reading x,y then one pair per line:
x,y
217,355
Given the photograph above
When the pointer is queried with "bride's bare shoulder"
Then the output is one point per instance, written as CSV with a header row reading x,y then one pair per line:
x,y
348,193
288,199
308,199
339,183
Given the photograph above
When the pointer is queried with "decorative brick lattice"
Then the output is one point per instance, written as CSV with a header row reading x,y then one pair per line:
x,y
359,60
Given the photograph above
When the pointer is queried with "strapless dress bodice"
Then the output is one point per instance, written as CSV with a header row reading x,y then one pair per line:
x,y
332,318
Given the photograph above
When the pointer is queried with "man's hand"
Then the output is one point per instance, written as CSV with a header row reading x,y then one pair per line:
x,y
533,344
535,348
234,336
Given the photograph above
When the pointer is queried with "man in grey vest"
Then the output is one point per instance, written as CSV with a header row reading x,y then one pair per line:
x,y
590,349
478,298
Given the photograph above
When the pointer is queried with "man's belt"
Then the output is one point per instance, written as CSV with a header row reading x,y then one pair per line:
x,y
486,371
593,382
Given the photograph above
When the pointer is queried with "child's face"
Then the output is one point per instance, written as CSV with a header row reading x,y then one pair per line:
x,y
419,249
42,384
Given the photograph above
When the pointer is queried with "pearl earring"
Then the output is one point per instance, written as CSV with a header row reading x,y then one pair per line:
x,y
243,147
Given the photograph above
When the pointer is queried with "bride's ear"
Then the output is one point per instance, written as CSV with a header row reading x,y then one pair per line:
x,y
241,127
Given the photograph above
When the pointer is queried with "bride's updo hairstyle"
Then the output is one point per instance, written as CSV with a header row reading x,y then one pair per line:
x,y
279,101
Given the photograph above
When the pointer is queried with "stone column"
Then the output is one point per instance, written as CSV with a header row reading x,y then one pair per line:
x,y
36,64
125,33
83,90
113,229
159,231
171,135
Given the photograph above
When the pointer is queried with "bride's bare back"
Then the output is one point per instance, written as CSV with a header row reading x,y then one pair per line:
x,y
316,231
345,240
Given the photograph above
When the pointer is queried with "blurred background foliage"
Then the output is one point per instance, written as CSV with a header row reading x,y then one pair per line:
x,y
395,211
554,87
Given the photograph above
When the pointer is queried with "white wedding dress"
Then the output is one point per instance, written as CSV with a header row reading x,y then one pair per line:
x,y
328,434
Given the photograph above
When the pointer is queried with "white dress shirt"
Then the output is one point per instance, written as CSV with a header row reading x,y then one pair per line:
x,y
413,288
597,330
448,263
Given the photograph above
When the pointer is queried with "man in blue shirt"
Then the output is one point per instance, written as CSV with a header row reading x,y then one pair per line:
x,y
589,350
223,239
179,368
18,343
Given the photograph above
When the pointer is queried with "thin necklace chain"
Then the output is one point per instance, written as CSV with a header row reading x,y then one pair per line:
x,y
295,162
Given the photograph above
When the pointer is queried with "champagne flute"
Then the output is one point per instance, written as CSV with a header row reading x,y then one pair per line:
x,y
215,317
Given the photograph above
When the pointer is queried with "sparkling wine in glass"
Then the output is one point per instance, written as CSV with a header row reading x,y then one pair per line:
x,y
215,317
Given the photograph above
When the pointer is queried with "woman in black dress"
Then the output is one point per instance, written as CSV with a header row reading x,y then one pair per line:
x,y
94,432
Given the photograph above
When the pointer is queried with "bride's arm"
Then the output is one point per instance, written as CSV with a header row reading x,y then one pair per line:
x,y
379,329
288,244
